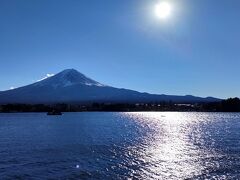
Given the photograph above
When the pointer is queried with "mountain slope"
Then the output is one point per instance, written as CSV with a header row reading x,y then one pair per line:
x,y
70,86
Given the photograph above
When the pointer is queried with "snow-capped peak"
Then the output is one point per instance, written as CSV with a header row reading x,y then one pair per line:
x,y
68,77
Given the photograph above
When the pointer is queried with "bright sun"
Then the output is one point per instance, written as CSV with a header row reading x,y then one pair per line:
x,y
163,10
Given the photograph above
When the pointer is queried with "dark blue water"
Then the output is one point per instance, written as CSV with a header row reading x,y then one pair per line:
x,y
120,146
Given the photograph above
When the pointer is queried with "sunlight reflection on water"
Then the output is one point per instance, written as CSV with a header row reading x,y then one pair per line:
x,y
171,145
139,145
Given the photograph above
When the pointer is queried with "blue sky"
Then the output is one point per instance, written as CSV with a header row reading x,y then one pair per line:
x,y
122,43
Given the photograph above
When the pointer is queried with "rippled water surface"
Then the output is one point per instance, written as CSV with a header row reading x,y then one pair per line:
x,y
149,145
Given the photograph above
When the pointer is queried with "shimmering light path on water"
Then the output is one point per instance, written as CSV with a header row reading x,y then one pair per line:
x,y
145,145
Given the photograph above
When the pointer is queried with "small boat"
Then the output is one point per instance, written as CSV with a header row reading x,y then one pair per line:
x,y
54,113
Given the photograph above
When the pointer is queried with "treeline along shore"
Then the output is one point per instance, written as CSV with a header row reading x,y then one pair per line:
x,y
229,105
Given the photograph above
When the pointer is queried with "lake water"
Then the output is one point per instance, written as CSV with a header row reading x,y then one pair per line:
x,y
145,145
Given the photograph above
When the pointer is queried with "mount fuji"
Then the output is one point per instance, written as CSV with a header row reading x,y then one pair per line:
x,y
71,86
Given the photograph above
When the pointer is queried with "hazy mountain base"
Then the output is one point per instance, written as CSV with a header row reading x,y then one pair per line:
x,y
73,87
229,105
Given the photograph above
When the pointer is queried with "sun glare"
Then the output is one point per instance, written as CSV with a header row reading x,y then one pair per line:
x,y
163,10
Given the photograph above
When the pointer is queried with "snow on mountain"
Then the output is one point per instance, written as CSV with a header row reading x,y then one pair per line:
x,y
66,78
47,76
